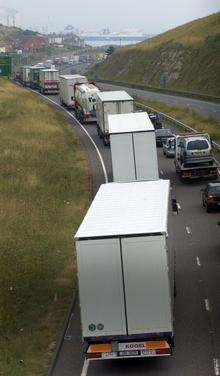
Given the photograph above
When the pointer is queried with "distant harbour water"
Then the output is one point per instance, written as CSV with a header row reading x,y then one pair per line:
x,y
97,42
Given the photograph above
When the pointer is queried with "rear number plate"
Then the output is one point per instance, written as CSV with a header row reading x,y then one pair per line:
x,y
148,352
128,353
109,355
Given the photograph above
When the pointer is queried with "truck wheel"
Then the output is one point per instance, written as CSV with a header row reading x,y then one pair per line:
x,y
98,131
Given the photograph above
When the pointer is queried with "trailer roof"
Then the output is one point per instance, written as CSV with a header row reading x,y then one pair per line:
x,y
71,76
87,88
110,96
132,122
127,209
49,70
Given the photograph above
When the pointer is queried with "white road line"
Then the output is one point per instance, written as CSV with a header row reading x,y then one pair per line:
x,y
86,132
85,367
216,367
161,171
207,305
198,261
178,206
69,323
188,230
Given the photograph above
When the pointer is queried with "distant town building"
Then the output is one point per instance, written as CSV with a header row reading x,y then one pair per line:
x,y
55,39
3,50
67,39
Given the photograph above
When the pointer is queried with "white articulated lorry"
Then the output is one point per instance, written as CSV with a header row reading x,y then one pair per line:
x,y
85,102
49,81
125,272
67,83
133,147
111,102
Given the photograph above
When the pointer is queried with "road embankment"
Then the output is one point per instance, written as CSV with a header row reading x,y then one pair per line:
x,y
44,193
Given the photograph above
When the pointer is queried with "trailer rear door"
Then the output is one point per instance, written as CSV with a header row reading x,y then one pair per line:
x,y
147,288
145,156
101,287
123,158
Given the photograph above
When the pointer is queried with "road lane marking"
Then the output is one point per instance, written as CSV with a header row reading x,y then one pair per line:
x,y
86,132
188,230
198,261
178,206
207,305
85,367
161,171
216,367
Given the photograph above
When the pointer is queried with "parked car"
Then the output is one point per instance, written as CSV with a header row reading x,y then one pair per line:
x,y
162,135
211,196
169,147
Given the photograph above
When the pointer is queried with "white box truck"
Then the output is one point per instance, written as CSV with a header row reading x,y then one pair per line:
x,y
111,102
133,147
125,272
85,102
49,81
67,83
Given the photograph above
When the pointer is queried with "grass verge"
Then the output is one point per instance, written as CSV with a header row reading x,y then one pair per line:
x,y
44,192
187,116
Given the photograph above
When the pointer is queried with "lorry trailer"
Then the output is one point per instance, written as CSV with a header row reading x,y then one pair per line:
x,y
133,147
35,76
67,83
109,103
49,81
194,158
25,75
125,272
85,102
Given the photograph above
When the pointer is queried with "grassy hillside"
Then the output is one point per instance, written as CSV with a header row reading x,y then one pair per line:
x,y
44,192
185,58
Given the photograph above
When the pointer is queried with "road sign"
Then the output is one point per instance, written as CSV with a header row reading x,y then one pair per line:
x,y
5,65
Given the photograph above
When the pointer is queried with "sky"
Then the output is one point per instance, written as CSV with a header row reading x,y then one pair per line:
x,y
151,16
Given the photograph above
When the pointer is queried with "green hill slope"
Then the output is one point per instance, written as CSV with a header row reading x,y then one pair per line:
x,y
185,58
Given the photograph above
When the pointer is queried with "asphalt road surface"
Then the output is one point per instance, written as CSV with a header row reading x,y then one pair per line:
x,y
208,109
195,239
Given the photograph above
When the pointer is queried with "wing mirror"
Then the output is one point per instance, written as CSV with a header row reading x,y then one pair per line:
x,y
174,206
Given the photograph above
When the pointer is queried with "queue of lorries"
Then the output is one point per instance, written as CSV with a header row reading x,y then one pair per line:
x,y
124,258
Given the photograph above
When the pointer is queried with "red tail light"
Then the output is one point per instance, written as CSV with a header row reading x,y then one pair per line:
x,y
210,198
93,355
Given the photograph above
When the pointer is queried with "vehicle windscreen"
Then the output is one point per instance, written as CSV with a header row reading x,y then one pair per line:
x,y
163,132
215,190
197,145
172,144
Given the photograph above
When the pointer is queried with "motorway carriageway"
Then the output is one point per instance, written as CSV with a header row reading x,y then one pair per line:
x,y
205,108
195,239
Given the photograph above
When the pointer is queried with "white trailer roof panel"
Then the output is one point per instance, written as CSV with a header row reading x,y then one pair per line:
x,y
111,96
49,70
127,209
72,76
86,88
127,123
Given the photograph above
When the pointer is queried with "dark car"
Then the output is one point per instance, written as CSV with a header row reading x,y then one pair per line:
x,y
156,120
211,196
162,135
